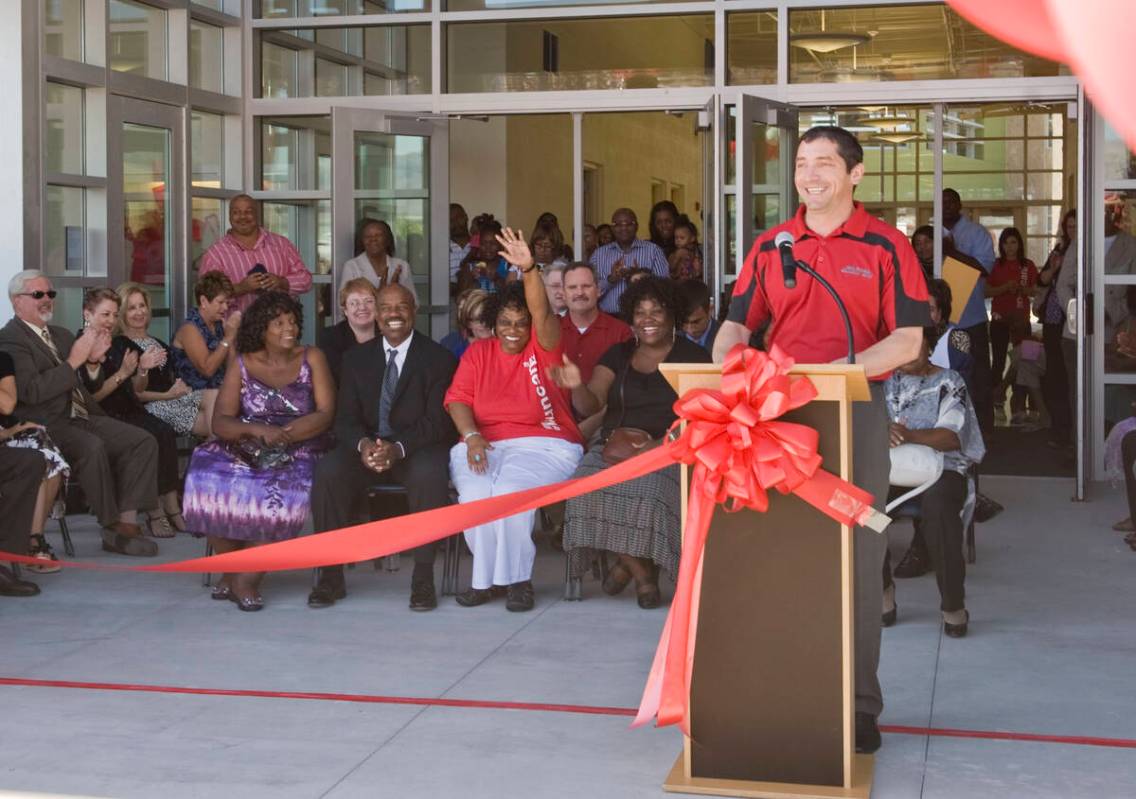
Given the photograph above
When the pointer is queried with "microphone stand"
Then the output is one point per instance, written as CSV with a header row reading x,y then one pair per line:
x,y
808,270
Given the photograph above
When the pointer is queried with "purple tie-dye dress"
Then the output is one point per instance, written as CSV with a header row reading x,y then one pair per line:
x,y
225,497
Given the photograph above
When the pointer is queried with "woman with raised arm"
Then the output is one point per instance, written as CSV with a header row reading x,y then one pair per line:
x,y
516,427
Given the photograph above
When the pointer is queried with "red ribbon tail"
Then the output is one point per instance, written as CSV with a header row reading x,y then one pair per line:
x,y
838,499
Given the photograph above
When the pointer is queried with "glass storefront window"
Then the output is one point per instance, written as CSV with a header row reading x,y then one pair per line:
x,y
295,153
213,4
63,135
307,224
63,28
1119,161
628,53
208,223
271,9
900,42
279,67
145,193
751,48
64,230
331,78
207,151
206,57
384,59
137,39
496,5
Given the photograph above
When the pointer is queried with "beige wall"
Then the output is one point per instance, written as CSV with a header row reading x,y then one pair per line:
x,y
478,165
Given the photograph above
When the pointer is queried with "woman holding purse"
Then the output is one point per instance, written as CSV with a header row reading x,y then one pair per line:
x,y
638,521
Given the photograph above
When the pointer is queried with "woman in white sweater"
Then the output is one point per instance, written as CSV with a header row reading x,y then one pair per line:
x,y
376,262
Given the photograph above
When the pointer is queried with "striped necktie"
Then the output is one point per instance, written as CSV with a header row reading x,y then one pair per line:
x,y
78,403
390,381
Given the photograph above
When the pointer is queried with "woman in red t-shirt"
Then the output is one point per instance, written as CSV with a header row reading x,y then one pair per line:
x,y
516,427
1011,284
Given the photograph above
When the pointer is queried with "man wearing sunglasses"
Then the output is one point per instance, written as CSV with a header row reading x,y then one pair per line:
x,y
115,462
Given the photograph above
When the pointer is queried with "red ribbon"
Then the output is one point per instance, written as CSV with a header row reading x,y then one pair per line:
x,y
739,452
732,438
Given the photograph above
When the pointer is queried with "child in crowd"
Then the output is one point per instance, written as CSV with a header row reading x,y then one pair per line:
x,y
1027,368
686,260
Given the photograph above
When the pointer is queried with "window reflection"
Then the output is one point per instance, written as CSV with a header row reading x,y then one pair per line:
x,y
137,39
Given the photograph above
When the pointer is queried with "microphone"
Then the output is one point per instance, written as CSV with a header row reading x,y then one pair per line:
x,y
784,242
789,266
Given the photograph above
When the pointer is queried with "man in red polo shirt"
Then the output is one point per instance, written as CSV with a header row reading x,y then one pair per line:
x,y
874,270
586,332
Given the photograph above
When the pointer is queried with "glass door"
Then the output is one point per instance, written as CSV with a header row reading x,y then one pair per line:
x,y
145,174
395,169
765,153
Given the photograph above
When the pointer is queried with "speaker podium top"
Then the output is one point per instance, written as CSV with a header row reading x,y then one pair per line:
x,y
834,381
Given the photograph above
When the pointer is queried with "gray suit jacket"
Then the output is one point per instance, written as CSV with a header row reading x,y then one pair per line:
x,y
43,386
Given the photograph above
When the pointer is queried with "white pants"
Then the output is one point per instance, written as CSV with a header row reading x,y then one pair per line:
x,y
503,551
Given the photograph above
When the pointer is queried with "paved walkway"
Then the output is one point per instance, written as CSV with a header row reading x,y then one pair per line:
x,y
1051,651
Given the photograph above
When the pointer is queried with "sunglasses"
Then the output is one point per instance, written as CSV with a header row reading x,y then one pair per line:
x,y
39,295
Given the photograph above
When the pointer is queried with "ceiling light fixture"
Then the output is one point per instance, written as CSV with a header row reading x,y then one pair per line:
x,y
827,41
887,122
896,138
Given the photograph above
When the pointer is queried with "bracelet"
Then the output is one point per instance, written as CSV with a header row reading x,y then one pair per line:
x,y
225,344
535,266
470,435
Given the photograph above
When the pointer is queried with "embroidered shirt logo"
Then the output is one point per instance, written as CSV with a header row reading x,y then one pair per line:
x,y
549,422
857,271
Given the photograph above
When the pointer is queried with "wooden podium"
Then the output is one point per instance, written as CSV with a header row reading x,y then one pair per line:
x,y
772,700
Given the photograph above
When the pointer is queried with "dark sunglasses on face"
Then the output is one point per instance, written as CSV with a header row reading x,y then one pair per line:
x,y
39,295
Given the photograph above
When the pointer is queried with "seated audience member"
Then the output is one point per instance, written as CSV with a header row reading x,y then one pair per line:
x,y
374,259
639,520
516,429
686,260
553,277
251,484
1027,370
591,241
931,406
390,427
604,235
617,262
357,300
484,268
664,215
561,250
586,332
1120,465
162,392
254,259
203,343
700,325
471,322
115,383
21,473
114,462
53,468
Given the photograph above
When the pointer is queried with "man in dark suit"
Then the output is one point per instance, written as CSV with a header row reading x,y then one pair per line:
x,y
21,472
115,462
391,426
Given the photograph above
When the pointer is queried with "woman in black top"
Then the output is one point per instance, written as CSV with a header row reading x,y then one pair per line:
x,y
29,435
638,521
358,299
115,384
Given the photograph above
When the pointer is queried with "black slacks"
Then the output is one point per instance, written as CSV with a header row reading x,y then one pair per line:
x,y
341,480
115,463
1055,381
981,378
940,523
21,472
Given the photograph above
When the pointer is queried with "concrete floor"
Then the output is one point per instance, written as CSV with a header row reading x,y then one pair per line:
x,y
1051,651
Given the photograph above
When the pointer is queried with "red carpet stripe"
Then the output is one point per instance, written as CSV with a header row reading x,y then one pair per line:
x,y
593,710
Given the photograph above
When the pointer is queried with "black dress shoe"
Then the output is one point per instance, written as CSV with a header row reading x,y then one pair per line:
x,y
867,733
957,630
519,597
11,585
888,619
422,594
473,597
915,563
325,593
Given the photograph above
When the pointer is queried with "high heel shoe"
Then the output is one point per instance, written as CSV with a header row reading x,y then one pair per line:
x,y
957,630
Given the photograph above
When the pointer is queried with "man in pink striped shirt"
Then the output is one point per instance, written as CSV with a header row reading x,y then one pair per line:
x,y
247,246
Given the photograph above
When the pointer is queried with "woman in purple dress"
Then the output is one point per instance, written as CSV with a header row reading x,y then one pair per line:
x,y
251,484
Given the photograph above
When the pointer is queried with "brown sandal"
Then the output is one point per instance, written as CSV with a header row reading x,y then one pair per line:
x,y
618,577
649,596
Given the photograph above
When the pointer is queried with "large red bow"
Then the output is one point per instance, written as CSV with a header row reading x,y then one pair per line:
x,y
739,450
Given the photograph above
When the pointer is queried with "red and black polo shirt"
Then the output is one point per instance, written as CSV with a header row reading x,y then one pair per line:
x,y
870,264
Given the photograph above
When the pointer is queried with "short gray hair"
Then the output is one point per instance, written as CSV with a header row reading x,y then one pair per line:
x,y
21,279
557,266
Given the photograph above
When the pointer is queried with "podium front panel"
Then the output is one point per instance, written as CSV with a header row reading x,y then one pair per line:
x,y
767,692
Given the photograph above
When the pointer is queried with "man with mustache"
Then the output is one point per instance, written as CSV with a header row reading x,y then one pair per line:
x,y
115,462
390,427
